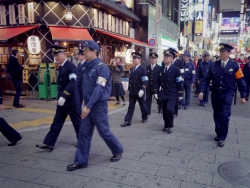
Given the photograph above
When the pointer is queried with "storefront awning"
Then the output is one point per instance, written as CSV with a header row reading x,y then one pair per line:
x,y
9,32
69,34
126,39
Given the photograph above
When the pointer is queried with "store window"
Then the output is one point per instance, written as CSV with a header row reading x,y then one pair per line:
x,y
170,8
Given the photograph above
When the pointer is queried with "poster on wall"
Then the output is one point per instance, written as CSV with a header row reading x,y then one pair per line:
x,y
12,14
105,21
2,15
21,15
109,22
121,25
230,5
95,18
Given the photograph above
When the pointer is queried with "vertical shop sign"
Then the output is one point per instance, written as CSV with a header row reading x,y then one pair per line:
x,y
184,10
117,25
100,19
121,25
2,15
199,8
21,15
124,28
109,22
95,18
12,14
34,45
31,17
105,21
127,28
113,24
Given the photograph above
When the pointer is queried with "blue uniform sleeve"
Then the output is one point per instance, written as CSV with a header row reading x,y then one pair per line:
x,y
204,83
144,79
179,83
242,87
72,82
103,76
193,73
158,81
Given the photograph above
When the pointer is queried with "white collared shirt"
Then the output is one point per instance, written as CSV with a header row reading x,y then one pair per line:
x,y
63,62
225,62
166,68
153,66
137,66
82,62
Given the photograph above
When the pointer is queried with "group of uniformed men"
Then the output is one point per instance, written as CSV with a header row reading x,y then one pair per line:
x,y
87,105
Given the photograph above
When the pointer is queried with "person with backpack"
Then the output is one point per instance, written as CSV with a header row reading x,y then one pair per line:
x,y
117,87
16,74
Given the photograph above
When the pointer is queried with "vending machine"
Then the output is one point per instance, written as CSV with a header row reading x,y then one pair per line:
x,y
43,92
53,80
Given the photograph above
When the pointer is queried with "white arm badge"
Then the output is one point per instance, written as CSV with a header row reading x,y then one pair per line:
x,y
102,81
72,76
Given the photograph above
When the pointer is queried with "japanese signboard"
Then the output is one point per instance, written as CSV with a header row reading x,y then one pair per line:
x,y
12,14
199,17
34,45
2,15
198,27
184,10
21,15
31,17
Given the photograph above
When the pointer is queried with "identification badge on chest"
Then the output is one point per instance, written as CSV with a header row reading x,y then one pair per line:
x,y
186,69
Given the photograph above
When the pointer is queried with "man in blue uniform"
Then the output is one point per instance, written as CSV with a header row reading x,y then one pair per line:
x,y
200,74
138,81
68,98
97,83
11,134
152,70
189,78
225,74
170,81
246,72
80,72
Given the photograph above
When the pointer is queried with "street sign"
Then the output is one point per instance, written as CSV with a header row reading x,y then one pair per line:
x,y
151,42
154,36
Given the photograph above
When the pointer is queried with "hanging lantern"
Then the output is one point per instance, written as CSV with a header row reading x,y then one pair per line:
x,y
68,15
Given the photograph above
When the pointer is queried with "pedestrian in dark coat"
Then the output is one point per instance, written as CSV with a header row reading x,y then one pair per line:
x,y
117,72
246,72
11,134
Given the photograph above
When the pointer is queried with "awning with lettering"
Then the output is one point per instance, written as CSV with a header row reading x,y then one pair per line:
x,y
69,34
126,39
9,32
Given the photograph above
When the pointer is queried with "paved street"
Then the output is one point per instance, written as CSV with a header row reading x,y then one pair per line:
x,y
187,158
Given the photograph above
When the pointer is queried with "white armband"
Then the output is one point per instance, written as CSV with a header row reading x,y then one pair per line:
x,y
102,81
182,70
72,76
179,79
193,71
144,78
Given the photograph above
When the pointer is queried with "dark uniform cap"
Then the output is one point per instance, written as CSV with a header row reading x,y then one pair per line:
x,y
225,47
172,49
92,44
57,49
206,54
136,55
153,55
169,53
81,52
187,53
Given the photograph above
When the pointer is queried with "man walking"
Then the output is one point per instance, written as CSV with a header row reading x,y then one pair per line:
x,y
170,81
138,81
189,78
152,72
16,73
225,74
201,72
68,98
97,81
74,57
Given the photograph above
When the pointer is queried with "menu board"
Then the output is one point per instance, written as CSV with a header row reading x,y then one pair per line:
x,y
53,75
35,59
41,76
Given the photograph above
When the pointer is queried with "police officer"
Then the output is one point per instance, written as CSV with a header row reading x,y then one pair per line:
x,y
68,98
152,72
180,64
80,72
225,74
246,72
200,74
138,81
189,78
97,82
170,81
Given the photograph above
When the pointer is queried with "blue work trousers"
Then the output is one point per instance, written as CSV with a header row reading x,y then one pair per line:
x,y
97,117
205,96
222,103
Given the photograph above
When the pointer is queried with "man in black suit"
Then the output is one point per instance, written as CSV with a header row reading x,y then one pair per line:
x,y
152,71
170,81
68,98
138,81
16,73
80,72
12,135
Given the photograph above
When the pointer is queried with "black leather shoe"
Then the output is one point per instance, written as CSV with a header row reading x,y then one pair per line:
x,y
170,130
144,121
200,104
117,157
186,107
19,106
73,167
125,124
180,107
14,143
221,143
246,99
44,146
216,139
204,105
165,129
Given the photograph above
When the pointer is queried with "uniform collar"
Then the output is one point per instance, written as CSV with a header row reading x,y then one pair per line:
x,y
93,62
63,63
137,66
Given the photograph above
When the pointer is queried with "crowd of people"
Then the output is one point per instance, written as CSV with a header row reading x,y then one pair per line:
x,y
85,85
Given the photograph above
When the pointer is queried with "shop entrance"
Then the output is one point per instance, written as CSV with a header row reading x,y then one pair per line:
x,y
106,54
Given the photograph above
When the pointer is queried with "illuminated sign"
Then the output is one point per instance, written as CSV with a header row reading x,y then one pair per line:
x,y
34,45
199,17
184,10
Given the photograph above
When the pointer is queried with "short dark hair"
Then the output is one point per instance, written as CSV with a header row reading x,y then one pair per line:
x,y
97,53
14,52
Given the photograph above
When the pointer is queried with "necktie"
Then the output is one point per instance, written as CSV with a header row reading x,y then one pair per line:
x,y
223,65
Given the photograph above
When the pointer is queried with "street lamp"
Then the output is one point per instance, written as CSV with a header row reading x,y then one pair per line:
x,y
68,14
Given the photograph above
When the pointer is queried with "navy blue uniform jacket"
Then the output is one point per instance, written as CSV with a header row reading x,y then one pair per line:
x,y
224,80
67,87
246,72
152,77
202,69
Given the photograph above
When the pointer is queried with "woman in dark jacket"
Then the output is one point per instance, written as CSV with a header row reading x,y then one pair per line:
x,y
117,73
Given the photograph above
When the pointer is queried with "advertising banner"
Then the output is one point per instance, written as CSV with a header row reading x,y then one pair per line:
x,y
230,5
